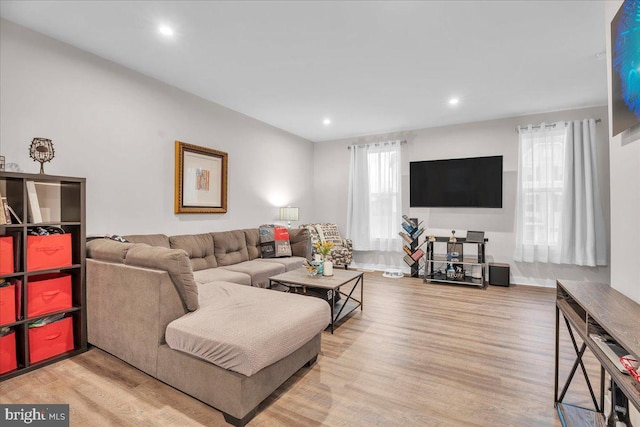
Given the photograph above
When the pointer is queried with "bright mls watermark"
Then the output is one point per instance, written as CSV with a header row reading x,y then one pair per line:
x,y
35,415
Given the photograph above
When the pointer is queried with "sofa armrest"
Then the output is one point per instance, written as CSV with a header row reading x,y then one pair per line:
x,y
174,261
128,310
348,243
108,250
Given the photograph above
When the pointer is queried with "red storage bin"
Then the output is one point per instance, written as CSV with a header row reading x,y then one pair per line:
x,y
8,353
45,252
6,254
50,340
7,304
47,293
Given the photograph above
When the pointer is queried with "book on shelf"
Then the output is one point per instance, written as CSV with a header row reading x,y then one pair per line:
x,y
406,249
408,228
410,261
3,219
408,240
35,216
417,255
15,215
410,221
417,233
4,205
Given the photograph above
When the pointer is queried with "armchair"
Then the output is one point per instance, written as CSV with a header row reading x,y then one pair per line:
x,y
342,252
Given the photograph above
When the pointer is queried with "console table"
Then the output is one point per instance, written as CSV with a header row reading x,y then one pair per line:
x,y
594,308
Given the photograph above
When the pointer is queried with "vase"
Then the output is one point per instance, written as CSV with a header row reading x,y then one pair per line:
x,y
328,268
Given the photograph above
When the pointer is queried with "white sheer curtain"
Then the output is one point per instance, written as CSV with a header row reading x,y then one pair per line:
x,y
558,213
374,209
540,195
583,228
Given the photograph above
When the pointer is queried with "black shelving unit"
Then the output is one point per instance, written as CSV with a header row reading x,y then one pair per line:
x,y
437,265
69,213
412,247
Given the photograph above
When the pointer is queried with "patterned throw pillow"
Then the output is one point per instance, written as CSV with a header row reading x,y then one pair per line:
x,y
329,233
274,241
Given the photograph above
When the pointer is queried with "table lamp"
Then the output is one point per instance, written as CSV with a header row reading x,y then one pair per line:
x,y
289,214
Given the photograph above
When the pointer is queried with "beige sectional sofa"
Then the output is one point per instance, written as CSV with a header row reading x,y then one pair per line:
x,y
189,311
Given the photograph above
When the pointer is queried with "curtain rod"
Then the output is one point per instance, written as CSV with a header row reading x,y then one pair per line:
x,y
375,144
552,125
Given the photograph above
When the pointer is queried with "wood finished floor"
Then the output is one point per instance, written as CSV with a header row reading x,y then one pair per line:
x,y
418,355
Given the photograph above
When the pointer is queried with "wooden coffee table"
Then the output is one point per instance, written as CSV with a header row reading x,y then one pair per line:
x,y
299,280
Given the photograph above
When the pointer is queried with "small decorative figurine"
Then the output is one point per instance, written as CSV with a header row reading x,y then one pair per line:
x,y
453,236
41,150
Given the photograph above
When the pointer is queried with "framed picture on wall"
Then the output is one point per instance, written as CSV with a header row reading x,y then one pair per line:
x,y
200,179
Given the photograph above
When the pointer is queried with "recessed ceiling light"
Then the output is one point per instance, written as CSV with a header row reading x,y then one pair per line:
x,y
326,121
165,30
454,101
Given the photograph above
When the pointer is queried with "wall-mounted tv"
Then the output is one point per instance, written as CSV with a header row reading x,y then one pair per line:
x,y
625,63
474,182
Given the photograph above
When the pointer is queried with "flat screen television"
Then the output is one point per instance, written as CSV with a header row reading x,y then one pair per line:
x,y
625,66
474,182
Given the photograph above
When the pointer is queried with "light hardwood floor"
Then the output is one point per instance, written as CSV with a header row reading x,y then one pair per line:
x,y
418,355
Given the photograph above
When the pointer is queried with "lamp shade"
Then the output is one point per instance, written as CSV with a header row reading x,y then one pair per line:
x,y
289,214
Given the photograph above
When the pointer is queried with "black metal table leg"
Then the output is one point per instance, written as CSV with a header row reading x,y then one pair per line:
x,y
557,358
578,362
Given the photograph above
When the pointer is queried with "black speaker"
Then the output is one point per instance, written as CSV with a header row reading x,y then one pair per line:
x,y
498,274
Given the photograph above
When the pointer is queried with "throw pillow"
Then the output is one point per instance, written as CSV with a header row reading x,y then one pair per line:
x,y
274,241
329,233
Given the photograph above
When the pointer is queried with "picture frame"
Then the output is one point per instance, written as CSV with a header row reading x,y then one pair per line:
x,y
200,180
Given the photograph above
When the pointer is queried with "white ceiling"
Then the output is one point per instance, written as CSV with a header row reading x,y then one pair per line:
x,y
372,67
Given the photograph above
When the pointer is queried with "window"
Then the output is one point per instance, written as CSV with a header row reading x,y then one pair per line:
x,y
375,197
384,193
559,213
541,176
542,190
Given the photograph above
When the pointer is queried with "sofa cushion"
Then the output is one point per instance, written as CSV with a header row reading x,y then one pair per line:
x,y
245,329
274,241
289,263
230,247
150,239
199,248
108,250
252,236
258,270
220,274
175,262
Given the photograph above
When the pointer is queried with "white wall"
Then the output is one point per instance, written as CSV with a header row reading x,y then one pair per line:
x,y
625,195
494,137
625,201
117,128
